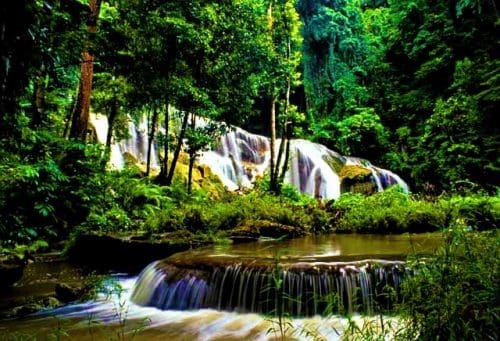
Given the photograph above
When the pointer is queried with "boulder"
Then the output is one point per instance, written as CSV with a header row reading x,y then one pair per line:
x,y
67,293
11,269
128,253
357,179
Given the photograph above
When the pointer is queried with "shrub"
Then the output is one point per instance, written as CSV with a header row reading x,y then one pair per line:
x,y
455,295
390,211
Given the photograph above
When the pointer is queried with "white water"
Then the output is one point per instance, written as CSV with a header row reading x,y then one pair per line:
x,y
243,157
135,145
204,324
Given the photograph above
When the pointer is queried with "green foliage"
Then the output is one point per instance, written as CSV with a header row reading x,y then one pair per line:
x,y
121,202
334,50
22,251
392,211
361,134
454,295
450,143
39,197
427,69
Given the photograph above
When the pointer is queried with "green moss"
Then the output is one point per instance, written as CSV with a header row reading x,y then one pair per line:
x,y
334,162
355,172
356,179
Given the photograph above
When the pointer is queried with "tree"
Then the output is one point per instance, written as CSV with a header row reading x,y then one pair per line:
x,y
80,116
284,59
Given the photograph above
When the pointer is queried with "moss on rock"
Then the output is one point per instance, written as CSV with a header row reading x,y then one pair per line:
x,y
356,179
335,162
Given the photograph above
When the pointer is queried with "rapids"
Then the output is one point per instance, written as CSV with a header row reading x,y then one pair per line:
x,y
161,304
115,316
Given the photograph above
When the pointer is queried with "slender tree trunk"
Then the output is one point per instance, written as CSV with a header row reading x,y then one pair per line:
x,y
164,166
38,98
287,137
151,139
284,136
69,113
111,123
273,182
177,149
192,157
80,116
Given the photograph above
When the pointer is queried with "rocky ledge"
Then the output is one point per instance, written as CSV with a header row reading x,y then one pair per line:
x,y
252,230
128,253
11,269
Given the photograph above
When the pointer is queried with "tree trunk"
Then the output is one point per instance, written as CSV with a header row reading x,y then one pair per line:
x,y
150,139
162,177
38,99
287,136
111,123
192,157
80,116
273,180
177,149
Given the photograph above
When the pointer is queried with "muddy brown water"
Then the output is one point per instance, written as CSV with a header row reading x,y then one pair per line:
x,y
119,318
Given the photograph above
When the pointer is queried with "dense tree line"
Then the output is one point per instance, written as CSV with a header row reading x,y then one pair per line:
x,y
410,85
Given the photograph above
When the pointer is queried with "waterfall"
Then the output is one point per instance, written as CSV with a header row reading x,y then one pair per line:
x,y
299,290
242,157
136,145
239,159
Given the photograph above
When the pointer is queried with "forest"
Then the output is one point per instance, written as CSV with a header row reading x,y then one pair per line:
x,y
412,86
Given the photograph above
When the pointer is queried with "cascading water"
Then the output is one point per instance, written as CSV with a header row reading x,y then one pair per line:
x,y
303,289
313,168
136,145
239,159
309,276
242,157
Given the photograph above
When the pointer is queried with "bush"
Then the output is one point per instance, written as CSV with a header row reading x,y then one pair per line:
x,y
479,212
392,211
40,191
455,295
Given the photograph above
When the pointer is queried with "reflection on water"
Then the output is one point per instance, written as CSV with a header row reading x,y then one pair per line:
x,y
332,247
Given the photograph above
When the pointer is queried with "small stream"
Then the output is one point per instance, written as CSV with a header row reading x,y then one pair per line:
x,y
114,315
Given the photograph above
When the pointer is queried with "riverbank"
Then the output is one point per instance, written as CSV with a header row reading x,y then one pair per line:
x,y
455,286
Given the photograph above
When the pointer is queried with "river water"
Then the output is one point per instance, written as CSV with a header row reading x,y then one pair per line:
x,y
113,315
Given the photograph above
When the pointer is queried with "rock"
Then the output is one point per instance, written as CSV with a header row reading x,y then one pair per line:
x,y
130,252
51,302
25,310
11,269
67,293
251,230
357,179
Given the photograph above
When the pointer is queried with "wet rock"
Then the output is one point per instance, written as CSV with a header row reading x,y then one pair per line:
x,y
51,302
26,309
357,179
11,269
128,253
67,293
251,230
